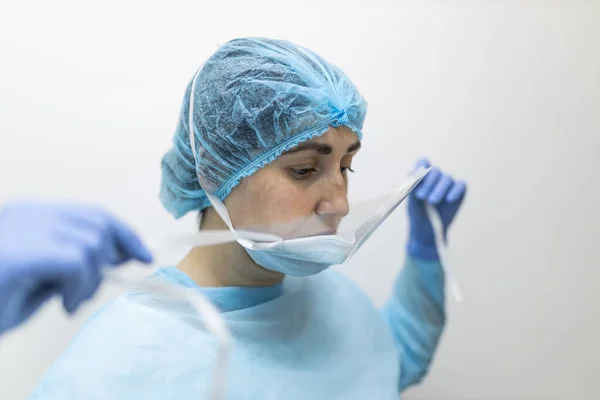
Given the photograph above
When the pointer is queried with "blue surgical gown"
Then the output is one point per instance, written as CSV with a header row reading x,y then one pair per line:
x,y
317,337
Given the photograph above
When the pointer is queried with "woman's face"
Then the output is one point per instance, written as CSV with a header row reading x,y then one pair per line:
x,y
302,193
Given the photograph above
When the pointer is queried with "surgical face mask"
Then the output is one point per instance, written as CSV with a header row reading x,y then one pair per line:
x,y
310,255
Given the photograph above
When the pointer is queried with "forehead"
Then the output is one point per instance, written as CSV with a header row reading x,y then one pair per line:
x,y
335,140
339,135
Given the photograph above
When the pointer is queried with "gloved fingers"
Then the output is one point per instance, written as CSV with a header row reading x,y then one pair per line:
x,y
97,249
37,298
108,252
86,217
125,242
438,192
422,163
457,192
14,294
73,263
129,243
69,275
91,282
70,294
103,246
427,184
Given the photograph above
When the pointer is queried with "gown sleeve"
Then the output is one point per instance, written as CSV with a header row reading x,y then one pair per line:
x,y
416,316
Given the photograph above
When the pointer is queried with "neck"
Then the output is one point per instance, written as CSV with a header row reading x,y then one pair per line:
x,y
224,265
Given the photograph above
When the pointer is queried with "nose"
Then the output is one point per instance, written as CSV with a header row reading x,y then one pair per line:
x,y
334,202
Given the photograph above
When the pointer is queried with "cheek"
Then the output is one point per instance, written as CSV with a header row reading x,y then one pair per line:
x,y
267,199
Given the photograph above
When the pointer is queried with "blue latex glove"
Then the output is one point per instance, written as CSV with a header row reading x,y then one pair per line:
x,y
48,249
446,195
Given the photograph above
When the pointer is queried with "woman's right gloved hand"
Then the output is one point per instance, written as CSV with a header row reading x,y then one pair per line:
x,y
49,249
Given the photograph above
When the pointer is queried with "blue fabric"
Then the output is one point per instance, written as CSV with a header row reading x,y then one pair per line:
x,y
416,315
254,99
57,249
317,337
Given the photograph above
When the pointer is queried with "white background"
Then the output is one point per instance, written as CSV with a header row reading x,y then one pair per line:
x,y
503,94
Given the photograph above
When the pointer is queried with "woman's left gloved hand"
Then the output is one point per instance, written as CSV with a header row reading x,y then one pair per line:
x,y
446,195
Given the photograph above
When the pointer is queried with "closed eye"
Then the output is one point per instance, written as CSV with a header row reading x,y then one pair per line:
x,y
302,173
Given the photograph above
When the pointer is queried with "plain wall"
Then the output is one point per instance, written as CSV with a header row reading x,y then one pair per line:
x,y
503,94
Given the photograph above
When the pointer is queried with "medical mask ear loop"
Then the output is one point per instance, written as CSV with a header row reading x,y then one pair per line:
x,y
209,238
220,209
440,244
214,201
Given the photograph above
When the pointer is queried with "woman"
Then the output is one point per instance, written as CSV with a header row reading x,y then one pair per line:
x,y
274,131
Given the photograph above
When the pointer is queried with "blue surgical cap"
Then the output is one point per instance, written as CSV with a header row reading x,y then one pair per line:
x,y
254,99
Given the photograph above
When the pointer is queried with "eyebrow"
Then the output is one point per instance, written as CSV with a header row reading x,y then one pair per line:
x,y
321,148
